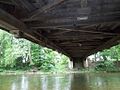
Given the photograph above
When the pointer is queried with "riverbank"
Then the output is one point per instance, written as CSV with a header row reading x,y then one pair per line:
x,y
9,72
30,72
19,72
23,72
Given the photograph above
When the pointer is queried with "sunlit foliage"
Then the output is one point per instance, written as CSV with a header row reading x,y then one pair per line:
x,y
23,54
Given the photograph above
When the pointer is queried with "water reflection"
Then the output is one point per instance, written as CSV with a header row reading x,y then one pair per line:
x,y
61,82
13,86
44,83
24,83
57,83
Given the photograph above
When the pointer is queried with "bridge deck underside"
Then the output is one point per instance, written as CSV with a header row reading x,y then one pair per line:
x,y
76,28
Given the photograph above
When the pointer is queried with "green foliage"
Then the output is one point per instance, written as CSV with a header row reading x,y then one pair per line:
x,y
22,54
111,54
105,66
107,59
35,53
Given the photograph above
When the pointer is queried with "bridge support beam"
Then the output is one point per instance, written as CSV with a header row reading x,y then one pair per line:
x,y
78,63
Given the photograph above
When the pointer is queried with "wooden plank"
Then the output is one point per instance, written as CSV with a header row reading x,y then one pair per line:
x,y
83,20
80,42
80,47
65,30
106,45
76,35
115,26
8,20
24,4
74,12
76,38
6,2
46,8
70,12
74,22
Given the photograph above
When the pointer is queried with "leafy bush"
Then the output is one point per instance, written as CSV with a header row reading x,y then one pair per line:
x,y
17,54
1,70
105,66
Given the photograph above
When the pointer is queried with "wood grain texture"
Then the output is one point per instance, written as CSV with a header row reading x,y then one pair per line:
x,y
76,28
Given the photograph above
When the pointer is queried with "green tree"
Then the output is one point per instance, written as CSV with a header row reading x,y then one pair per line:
x,y
21,53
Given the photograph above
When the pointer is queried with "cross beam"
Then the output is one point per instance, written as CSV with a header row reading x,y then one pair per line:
x,y
86,31
107,44
66,30
6,2
46,8
25,4
10,22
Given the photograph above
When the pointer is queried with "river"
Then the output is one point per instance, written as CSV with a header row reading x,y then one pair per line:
x,y
92,81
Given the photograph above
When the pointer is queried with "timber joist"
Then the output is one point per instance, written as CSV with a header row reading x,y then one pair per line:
x,y
76,28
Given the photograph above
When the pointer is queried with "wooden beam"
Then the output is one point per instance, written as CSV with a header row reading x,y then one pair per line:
x,y
46,8
76,38
80,44
82,20
107,44
73,12
12,23
6,2
65,30
115,26
59,32
24,4
59,13
74,22
78,48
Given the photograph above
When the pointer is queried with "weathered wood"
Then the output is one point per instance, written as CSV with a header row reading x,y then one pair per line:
x,y
24,4
72,12
81,42
6,2
80,47
81,36
115,26
77,28
107,44
74,22
65,30
15,24
9,21
92,19
76,38
46,8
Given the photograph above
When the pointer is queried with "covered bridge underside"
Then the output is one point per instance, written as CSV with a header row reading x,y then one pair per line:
x,y
76,28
